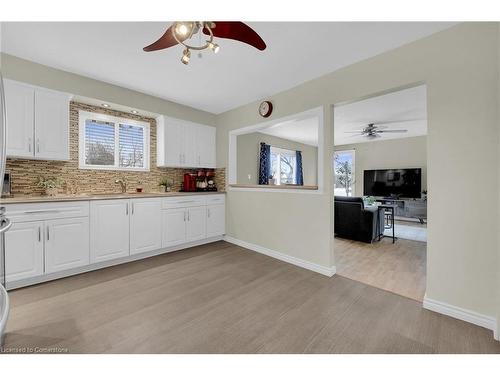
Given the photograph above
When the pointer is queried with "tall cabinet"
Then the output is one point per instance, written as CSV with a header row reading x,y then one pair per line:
x,y
37,122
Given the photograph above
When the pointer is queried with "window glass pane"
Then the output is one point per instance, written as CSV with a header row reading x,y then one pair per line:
x,y
275,165
288,169
131,146
344,173
99,143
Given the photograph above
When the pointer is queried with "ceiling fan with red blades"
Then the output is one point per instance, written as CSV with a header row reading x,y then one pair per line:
x,y
182,32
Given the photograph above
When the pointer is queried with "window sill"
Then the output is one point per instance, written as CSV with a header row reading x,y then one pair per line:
x,y
275,187
111,168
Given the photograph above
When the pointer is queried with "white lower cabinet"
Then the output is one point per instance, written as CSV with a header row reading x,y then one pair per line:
x,y
173,227
47,238
196,224
145,225
216,220
66,244
109,229
24,251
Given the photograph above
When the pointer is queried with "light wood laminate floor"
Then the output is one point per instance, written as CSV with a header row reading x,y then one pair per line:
x,y
398,267
220,298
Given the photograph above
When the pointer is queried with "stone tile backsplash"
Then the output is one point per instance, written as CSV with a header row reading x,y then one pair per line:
x,y
25,173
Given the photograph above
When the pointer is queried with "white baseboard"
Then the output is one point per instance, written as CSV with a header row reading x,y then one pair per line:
x,y
327,271
469,316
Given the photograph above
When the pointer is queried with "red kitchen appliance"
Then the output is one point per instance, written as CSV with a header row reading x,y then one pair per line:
x,y
189,183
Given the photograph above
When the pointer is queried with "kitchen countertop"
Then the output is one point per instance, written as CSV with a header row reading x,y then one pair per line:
x,y
99,196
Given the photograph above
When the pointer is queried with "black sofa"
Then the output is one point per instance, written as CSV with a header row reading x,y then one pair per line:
x,y
354,221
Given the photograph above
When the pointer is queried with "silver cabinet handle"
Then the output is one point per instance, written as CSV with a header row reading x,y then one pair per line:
x,y
132,208
208,212
126,209
199,162
48,233
29,144
37,145
42,212
39,234
189,216
184,215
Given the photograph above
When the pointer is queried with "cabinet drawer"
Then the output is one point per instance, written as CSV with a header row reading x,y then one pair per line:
x,y
186,201
45,211
216,199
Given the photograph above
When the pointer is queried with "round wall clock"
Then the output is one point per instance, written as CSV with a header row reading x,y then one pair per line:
x,y
265,108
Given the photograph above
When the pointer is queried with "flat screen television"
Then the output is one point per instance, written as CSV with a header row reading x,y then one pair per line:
x,y
400,183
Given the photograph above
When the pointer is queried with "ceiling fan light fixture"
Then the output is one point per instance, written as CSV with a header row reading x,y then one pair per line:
x,y
182,28
213,46
186,55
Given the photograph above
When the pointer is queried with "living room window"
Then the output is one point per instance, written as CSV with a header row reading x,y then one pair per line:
x,y
113,143
344,169
283,166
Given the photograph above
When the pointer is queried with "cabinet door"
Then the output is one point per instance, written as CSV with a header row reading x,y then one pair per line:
x,y
205,139
173,143
145,225
189,145
216,220
109,229
19,106
24,251
51,125
196,223
173,227
66,244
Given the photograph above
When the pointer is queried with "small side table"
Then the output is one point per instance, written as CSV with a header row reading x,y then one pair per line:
x,y
383,208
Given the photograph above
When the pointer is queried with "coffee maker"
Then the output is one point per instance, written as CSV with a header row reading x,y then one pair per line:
x,y
211,181
189,182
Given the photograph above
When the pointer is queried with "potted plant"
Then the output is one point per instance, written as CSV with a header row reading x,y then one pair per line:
x,y
166,185
50,185
370,201
272,180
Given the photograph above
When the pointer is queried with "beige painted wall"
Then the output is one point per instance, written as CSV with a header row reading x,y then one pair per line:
x,y
248,146
40,75
460,68
395,153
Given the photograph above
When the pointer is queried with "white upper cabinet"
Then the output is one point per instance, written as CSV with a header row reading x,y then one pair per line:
x,y
205,140
37,122
51,125
170,144
20,110
185,144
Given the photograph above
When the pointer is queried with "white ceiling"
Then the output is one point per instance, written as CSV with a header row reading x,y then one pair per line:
x,y
296,52
302,131
405,109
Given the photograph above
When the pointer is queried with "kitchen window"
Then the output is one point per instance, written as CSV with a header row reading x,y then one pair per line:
x,y
113,143
283,166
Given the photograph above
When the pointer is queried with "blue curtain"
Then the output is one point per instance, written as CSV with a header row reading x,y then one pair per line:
x,y
265,164
300,174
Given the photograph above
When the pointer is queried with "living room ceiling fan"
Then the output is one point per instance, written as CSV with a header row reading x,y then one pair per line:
x,y
183,32
373,130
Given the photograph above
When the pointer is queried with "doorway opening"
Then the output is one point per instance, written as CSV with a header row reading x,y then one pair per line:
x,y
380,191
